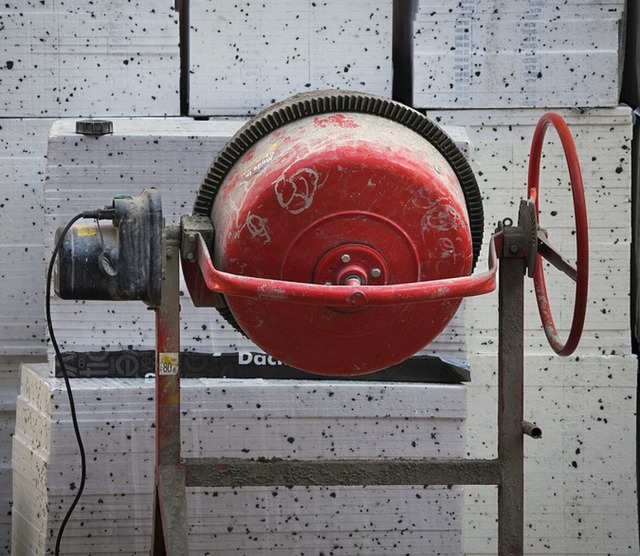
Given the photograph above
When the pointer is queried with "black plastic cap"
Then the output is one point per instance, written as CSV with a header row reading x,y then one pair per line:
x,y
94,127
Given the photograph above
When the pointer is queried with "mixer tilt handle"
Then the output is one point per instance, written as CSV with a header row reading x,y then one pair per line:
x,y
351,294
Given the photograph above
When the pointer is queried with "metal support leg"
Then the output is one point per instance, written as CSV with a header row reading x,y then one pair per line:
x,y
511,404
507,471
169,527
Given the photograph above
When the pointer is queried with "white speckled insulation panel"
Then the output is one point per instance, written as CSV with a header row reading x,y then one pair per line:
x,y
241,418
84,58
6,478
502,54
121,58
9,389
171,155
244,56
23,147
580,477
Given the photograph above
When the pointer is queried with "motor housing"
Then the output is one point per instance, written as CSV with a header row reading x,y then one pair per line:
x,y
118,260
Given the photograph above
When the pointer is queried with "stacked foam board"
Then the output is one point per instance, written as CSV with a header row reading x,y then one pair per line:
x,y
244,56
59,59
631,81
23,146
236,418
491,58
503,54
9,386
84,59
580,478
171,155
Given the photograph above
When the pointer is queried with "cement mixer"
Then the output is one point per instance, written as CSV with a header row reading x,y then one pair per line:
x,y
339,232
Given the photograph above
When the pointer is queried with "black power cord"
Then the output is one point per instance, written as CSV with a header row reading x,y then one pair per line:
x,y
104,214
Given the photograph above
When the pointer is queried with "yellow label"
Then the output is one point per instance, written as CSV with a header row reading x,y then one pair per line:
x,y
86,231
168,364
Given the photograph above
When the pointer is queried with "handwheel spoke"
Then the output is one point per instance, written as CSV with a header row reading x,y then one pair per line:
x,y
550,254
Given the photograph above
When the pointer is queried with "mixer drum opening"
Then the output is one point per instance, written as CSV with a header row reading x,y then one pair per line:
x,y
342,189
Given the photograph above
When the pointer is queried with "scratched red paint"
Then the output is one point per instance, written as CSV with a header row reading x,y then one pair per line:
x,y
343,185
340,120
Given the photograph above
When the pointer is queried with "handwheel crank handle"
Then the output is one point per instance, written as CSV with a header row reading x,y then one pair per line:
x,y
354,296
547,251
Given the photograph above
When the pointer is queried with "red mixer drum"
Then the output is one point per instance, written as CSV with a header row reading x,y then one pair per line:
x,y
342,188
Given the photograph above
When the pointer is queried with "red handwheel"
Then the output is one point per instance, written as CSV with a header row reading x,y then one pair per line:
x,y
580,272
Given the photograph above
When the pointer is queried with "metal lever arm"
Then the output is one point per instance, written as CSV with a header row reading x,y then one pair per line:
x,y
549,253
347,295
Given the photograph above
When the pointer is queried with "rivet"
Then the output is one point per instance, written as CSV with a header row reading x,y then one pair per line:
x,y
513,248
376,273
345,258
